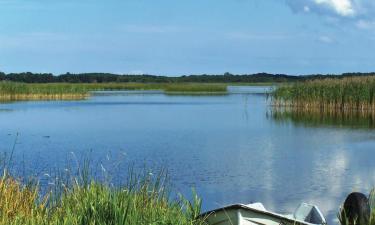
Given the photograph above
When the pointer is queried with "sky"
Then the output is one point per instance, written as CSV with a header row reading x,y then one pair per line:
x,y
182,37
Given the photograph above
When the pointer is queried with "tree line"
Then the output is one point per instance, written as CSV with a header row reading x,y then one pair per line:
x,y
29,77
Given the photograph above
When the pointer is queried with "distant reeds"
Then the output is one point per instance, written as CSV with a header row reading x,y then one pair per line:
x,y
196,88
11,91
350,93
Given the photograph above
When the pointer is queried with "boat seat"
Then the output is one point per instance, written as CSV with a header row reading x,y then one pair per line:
x,y
257,205
309,213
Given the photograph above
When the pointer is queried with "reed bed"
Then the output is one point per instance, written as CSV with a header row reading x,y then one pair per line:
x,y
144,200
349,93
11,91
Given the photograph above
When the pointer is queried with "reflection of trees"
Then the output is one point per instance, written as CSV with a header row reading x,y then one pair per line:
x,y
317,117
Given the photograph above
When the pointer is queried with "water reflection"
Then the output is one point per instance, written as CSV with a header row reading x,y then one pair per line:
x,y
319,118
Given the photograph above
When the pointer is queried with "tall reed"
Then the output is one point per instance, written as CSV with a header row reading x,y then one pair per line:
x,y
143,200
11,91
350,93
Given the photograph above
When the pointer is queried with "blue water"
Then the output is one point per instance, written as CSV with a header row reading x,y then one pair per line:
x,y
227,147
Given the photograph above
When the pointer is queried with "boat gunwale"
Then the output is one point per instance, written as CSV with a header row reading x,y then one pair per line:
x,y
242,206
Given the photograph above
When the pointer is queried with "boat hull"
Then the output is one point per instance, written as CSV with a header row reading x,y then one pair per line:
x,y
244,215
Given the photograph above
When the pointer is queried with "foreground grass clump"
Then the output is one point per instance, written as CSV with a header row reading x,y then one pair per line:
x,y
20,204
11,91
142,201
350,93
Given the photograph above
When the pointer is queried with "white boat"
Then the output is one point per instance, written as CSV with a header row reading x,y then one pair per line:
x,y
256,214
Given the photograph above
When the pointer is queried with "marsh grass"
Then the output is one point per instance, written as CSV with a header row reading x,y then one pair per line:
x,y
144,199
350,93
11,91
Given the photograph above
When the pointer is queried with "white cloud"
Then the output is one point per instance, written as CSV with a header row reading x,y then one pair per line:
x,y
365,24
30,40
358,13
257,36
339,8
325,39
135,72
151,29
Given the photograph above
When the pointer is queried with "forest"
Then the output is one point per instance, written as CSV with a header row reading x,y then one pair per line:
x,y
28,77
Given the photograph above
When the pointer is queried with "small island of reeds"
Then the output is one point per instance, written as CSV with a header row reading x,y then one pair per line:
x,y
14,91
346,94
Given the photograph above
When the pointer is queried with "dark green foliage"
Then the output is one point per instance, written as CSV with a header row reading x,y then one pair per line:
x,y
117,78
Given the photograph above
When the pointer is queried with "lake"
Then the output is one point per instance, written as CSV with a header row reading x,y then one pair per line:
x,y
231,148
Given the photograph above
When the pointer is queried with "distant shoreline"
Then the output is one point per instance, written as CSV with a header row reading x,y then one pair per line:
x,y
29,77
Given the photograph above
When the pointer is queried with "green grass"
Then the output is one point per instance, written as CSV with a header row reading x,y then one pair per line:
x,y
351,93
10,91
144,200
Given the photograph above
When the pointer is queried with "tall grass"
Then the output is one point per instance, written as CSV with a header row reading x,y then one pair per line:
x,y
143,200
11,91
350,93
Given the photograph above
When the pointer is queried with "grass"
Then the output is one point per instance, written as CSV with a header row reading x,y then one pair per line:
x,y
144,200
350,93
11,91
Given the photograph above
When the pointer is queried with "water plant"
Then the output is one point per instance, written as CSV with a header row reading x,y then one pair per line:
x,y
12,91
349,93
143,200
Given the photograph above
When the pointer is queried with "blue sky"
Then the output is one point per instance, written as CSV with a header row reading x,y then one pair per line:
x,y
175,37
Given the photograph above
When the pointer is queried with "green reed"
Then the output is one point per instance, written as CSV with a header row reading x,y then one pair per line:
x,y
351,93
143,200
10,91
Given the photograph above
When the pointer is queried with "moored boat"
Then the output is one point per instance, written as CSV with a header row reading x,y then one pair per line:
x,y
256,214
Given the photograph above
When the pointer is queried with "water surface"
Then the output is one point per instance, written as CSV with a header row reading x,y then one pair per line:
x,y
230,147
